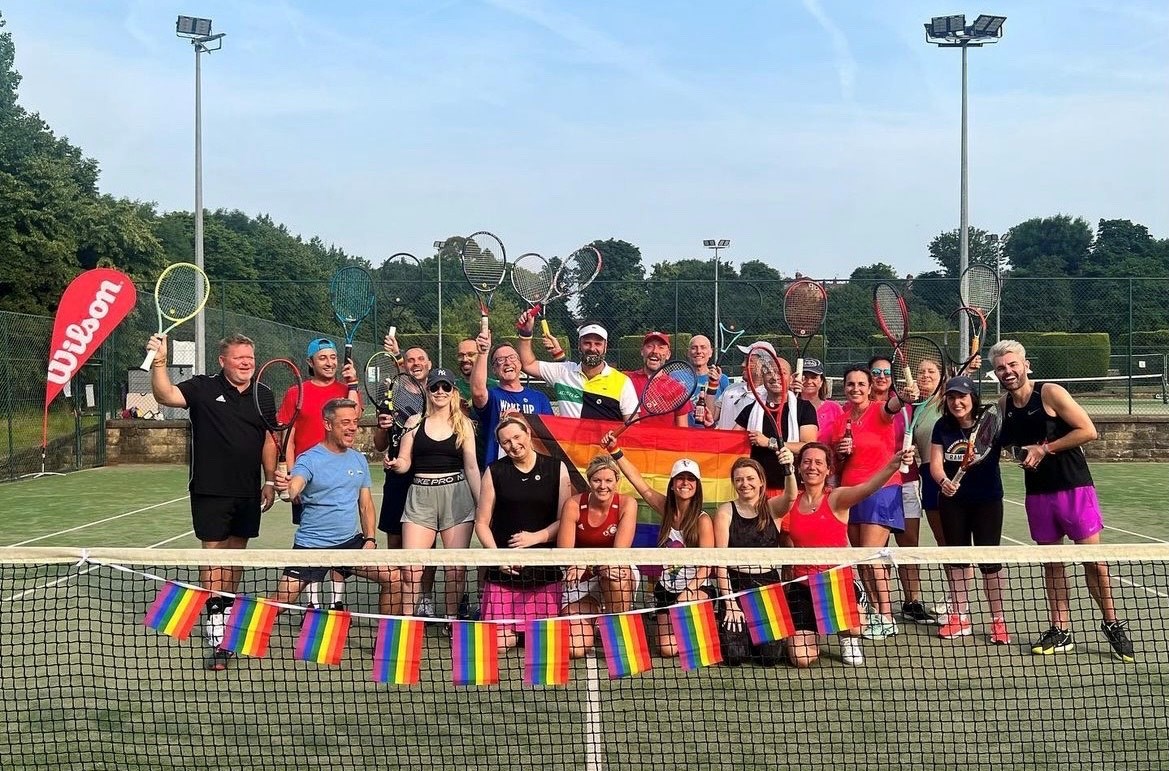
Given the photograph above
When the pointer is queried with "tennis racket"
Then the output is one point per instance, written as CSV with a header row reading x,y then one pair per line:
x,y
485,266
278,392
179,294
769,385
981,442
404,271
580,269
391,391
980,288
351,294
970,321
892,315
534,280
739,309
912,351
667,390
805,305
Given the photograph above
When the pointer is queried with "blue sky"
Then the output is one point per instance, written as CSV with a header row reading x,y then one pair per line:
x,y
816,135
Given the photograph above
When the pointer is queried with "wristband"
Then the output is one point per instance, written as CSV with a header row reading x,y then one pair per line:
x,y
712,390
558,354
399,359
352,386
523,334
368,539
269,484
616,453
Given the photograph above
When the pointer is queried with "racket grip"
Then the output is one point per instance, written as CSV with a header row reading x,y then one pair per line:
x,y
149,360
393,332
544,327
483,324
957,480
348,352
283,469
906,443
974,345
800,366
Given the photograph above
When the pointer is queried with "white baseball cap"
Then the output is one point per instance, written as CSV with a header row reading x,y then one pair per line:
x,y
758,344
592,329
685,466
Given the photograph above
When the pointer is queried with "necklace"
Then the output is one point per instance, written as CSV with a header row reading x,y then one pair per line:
x,y
813,505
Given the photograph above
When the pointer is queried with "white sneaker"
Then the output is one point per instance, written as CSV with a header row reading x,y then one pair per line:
x,y
215,627
851,652
425,608
941,607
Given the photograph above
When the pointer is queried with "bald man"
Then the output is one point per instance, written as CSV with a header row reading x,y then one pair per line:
x,y
699,354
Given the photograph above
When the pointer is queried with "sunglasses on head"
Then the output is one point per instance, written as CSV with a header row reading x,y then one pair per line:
x,y
878,371
442,385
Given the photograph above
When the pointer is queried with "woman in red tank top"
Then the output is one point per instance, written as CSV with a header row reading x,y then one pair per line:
x,y
819,519
598,518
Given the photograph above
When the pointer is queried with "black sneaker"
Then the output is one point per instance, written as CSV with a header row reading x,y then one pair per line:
x,y
466,612
1054,640
337,606
1118,638
916,612
218,660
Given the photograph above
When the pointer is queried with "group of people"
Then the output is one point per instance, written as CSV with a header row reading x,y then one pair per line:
x,y
823,475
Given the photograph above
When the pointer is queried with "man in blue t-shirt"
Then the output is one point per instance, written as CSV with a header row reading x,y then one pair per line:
x,y
510,395
332,480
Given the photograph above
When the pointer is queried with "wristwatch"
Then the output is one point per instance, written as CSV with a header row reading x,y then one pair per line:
x,y
773,443
368,539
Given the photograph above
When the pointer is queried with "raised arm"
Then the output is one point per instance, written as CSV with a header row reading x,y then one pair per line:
x,y
165,392
844,498
405,459
528,361
780,505
656,500
479,371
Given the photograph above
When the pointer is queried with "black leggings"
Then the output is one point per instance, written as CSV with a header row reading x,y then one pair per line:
x,y
972,524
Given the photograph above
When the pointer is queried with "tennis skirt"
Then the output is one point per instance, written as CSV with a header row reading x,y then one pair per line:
x,y
439,503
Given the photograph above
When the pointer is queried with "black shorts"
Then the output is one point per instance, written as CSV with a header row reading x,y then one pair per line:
x,y
663,599
311,575
394,502
972,524
799,604
217,517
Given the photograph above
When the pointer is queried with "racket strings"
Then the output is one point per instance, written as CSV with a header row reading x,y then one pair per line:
x,y
406,399
740,306
912,353
351,293
180,293
533,278
582,267
981,286
667,390
274,381
804,307
891,311
484,263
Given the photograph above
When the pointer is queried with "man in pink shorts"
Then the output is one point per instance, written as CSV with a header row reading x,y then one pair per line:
x,y
1050,429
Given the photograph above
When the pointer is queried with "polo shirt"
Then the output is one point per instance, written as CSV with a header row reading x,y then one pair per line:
x,y
609,395
227,437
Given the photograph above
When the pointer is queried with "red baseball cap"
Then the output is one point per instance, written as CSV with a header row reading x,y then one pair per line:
x,y
656,336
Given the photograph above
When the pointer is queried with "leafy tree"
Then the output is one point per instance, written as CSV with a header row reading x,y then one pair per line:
x,y
944,250
1058,245
619,295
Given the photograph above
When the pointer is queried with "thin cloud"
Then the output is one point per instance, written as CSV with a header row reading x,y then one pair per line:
x,y
843,60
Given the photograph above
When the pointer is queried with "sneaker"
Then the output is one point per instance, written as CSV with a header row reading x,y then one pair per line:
x,y
214,628
880,628
425,608
466,612
1118,639
916,612
851,652
218,660
941,606
956,625
337,606
1054,640
998,632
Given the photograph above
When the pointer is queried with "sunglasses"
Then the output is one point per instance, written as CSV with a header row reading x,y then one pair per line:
x,y
879,371
443,386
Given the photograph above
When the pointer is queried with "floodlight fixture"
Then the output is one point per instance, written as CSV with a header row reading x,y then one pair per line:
x,y
723,243
716,245
192,27
708,243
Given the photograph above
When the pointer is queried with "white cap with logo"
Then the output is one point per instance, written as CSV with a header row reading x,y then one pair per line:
x,y
685,466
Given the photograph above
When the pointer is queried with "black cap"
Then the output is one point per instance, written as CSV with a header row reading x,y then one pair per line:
x,y
440,375
814,366
960,385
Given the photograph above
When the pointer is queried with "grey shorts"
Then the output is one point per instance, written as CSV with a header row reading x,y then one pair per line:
x,y
439,504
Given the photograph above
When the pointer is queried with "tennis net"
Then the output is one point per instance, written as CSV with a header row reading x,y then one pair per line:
x,y
1146,394
88,685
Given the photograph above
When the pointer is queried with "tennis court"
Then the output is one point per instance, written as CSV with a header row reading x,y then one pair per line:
x,y
89,686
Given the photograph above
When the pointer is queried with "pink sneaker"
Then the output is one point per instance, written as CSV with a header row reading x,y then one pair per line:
x,y
998,632
956,625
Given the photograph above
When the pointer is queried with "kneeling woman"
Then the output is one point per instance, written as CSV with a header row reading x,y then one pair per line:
x,y
819,519
684,523
522,494
600,519
750,521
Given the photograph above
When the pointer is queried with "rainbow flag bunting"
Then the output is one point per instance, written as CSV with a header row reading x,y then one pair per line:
x,y
766,613
834,600
397,654
546,652
474,653
626,651
176,609
696,633
249,625
322,636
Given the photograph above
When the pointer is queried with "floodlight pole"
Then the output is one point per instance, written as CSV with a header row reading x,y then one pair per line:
x,y
439,246
964,214
716,245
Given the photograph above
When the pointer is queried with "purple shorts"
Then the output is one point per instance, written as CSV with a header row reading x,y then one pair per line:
x,y
883,508
1074,514
523,604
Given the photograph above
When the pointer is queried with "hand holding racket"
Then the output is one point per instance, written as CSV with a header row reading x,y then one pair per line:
x,y
981,442
805,306
278,392
534,280
391,391
485,266
666,391
179,294
352,296
914,351
768,383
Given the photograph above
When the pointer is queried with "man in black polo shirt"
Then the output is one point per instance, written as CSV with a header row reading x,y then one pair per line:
x,y
229,445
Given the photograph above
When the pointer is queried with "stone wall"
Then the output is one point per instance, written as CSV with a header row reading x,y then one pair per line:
x,y
165,441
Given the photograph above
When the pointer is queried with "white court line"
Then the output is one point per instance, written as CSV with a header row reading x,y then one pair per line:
x,y
1106,527
97,522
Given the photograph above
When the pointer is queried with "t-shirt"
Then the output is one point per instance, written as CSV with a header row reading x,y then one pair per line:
x,y
827,414
227,437
309,428
526,401
805,416
731,404
687,380
982,481
873,439
923,430
334,484
640,380
609,395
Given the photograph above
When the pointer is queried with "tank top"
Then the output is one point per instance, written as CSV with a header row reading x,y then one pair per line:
x,y
674,578
873,441
813,530
435,457
524,501
600,536
1030,424
745,534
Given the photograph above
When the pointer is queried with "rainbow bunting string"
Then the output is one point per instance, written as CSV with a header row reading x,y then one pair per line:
x,y
322,636
249,625
397,654
767,615
626,650
546,652
474,653
176,609
696,633
834,600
